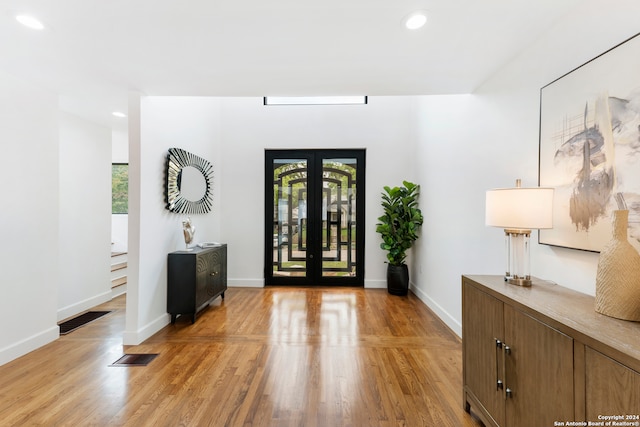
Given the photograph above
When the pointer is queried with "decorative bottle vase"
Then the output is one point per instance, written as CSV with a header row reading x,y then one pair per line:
x,y
618,277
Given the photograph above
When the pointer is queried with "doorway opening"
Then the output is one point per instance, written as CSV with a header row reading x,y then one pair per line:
x,y
314,217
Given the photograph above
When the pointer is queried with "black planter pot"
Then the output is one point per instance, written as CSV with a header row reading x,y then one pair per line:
x,y
397,279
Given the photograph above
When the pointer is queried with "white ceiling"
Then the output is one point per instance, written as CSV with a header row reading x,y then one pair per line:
x,y
93,52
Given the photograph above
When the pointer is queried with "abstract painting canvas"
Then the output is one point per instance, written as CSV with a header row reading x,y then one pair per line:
x,y
590,148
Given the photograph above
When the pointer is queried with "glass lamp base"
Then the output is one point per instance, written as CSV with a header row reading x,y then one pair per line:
x,y
518,281
518,267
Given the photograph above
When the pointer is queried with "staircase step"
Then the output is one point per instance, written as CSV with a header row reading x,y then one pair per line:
x,y
118,282
118,266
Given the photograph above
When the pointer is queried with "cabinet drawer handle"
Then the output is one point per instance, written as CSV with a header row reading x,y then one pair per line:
x,y
507,350
499,383
508,392
214,273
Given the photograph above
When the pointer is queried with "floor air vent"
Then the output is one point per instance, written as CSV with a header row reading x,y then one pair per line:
x,y
83,319
134,360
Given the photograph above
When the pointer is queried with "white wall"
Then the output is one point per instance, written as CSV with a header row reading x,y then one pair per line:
x,y
384,127
155,125
29,217
471,143
457,165
119,146
85,217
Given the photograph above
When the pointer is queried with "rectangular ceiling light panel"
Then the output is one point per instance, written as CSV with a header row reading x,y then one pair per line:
x,y
315,100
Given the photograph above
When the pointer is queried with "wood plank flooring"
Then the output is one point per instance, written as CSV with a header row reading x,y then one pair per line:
x,y
262,357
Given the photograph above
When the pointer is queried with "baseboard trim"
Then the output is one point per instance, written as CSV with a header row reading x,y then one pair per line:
x,y
375,284
80,306
118,290
448,319
27,345
137,337
245,283
259,283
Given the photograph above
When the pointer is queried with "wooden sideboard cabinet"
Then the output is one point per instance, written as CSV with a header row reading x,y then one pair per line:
x,y
194,279
542,355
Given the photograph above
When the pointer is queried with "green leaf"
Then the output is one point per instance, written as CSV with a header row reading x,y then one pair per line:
x,y
402,218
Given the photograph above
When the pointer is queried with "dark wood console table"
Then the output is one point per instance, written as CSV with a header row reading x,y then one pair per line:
x,y
194,279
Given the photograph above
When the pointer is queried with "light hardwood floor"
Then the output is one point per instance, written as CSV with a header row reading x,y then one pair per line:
x,y
262,357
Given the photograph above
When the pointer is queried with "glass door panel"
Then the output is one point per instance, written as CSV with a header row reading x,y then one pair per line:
x,y
289,217
339,217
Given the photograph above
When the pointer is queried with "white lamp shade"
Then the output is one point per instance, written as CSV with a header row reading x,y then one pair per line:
x,y
520,208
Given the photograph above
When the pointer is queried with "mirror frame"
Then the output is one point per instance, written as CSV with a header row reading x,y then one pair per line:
x,y
178,159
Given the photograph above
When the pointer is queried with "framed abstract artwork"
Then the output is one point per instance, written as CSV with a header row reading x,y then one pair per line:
x,y
590,148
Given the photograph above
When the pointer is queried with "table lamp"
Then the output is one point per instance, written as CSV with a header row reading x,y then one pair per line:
x,y
519,210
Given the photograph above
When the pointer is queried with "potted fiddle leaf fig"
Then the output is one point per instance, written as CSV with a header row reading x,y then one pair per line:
x,y
398,228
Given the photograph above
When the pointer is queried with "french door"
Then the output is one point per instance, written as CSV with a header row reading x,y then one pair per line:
x,y
314,231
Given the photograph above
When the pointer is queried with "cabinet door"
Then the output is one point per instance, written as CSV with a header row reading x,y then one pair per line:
x,y
218,272
204,279
482,325
538,372
611,388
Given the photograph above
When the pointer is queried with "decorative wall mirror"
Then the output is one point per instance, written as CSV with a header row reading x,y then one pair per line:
x,y
188,184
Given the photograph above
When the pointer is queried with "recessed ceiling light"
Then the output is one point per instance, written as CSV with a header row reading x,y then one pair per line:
x,y
415,20
119,114
30,21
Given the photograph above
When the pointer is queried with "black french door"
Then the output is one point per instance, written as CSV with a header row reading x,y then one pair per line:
x,y
314,231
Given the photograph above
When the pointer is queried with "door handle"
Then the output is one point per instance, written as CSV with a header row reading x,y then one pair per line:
x,y
507,350
508,392
499,384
